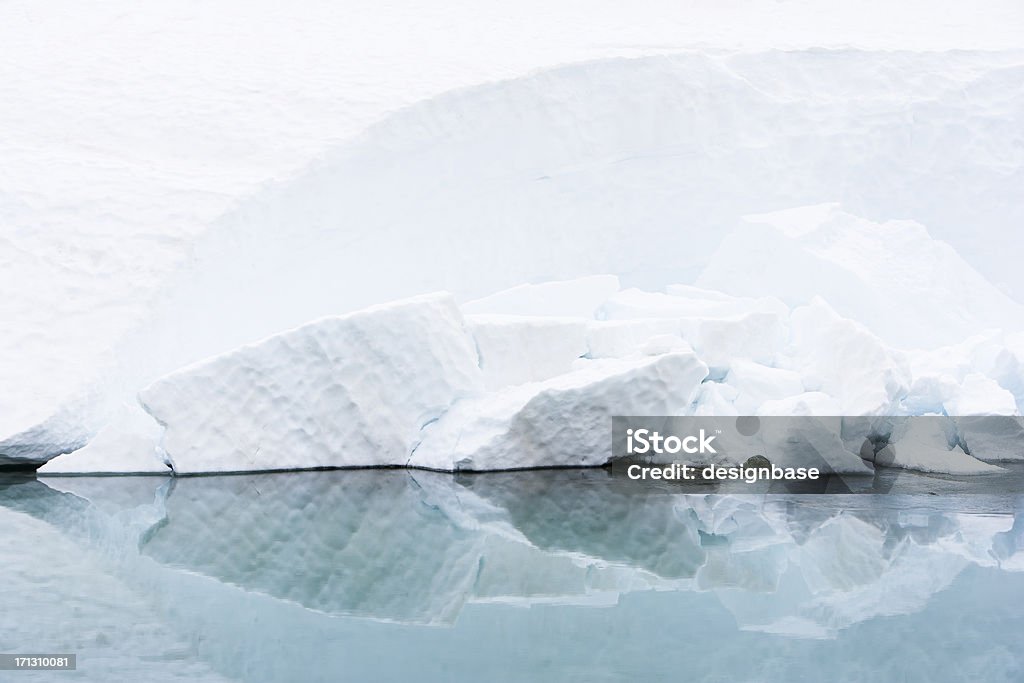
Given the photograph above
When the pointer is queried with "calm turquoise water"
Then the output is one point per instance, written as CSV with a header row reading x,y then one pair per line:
x,y
531,576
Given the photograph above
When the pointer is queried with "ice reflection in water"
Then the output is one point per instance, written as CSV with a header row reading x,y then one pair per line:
x,y
396,575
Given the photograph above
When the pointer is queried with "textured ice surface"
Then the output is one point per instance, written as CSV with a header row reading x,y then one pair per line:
x,y
349,390
992,439
564,421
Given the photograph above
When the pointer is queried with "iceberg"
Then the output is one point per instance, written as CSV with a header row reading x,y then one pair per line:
x,y
991,438
928,445
352,390
564,421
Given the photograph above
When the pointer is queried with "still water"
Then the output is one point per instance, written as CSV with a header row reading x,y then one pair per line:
x,y
396,575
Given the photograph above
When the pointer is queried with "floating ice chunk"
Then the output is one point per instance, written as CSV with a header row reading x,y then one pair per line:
x,y
565,421
566,298
980,395
340,391
908,288
619,338
841,358
993,437
756,383
518,349
67,429
128,445
923,444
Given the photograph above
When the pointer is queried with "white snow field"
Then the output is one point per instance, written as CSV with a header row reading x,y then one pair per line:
x,y
179,183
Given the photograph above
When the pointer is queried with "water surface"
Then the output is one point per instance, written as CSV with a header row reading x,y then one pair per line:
x,y
527,576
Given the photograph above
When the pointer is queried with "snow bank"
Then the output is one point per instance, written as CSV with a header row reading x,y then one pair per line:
x,y
565,421
633,167
349,390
